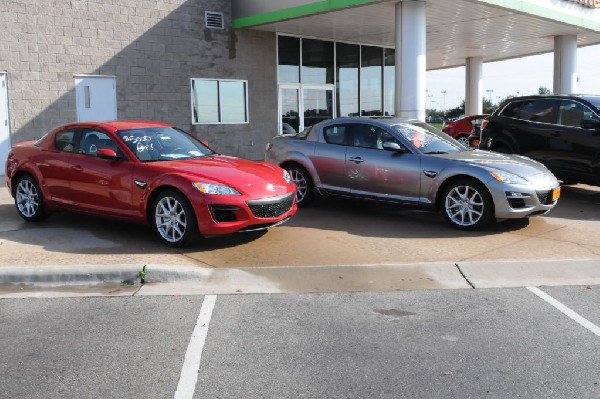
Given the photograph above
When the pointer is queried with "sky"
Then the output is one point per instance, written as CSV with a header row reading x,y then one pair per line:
x,y
520,76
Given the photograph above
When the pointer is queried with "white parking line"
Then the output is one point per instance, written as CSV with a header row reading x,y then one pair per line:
x,y
570,313
191,363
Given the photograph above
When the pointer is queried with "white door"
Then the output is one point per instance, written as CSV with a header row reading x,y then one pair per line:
x,y
4,124
96,98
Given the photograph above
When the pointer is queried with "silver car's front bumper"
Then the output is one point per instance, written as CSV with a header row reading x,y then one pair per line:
x,y
517,201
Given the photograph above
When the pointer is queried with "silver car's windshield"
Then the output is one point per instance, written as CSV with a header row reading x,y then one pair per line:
x,y
153,144
426,140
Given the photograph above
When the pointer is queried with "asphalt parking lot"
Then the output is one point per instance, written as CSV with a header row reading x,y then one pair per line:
x,y
491,343
329,233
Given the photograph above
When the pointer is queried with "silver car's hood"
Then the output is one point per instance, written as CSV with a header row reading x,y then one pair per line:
x,y
515,164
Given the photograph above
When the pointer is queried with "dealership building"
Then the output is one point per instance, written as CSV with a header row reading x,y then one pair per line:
x,y
238,72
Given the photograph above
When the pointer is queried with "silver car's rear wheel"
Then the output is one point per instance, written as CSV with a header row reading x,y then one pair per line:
x,y
29,199
467,205
174,219
304,184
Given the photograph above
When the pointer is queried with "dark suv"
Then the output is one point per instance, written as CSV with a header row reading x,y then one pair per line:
x,y
562,132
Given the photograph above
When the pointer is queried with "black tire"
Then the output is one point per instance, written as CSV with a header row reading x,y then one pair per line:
x,y
173,219
467,205
304,184
29,199
502,149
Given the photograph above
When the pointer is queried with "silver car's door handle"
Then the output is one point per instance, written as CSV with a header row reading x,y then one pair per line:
x,y
356,160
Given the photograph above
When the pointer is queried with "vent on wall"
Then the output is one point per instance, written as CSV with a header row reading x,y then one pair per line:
x,y
214,20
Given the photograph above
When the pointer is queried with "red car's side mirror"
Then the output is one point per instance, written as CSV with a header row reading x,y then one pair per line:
x,y
107,153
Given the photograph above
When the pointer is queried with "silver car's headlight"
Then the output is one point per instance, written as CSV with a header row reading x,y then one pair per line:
x,y
215,189
508,178
287,177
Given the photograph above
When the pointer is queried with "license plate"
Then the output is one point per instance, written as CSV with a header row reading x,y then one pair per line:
x,y
555,194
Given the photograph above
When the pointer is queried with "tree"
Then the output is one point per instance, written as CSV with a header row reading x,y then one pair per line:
x,y
488,106
454,112
543,90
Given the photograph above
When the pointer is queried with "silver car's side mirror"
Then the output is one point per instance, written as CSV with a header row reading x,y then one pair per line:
x,y
391,146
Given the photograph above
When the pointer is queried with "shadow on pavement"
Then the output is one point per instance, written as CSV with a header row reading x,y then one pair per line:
x,y
83,234
387,221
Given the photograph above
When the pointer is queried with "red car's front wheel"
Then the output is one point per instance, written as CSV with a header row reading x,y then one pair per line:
x,y
173,219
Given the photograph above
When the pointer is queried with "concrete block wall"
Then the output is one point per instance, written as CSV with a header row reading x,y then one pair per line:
x,y
153,48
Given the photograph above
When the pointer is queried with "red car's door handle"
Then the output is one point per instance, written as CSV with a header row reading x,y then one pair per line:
x,y
555,134
356,160
77,168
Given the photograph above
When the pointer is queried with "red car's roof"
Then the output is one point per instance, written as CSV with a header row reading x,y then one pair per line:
x,y
119,125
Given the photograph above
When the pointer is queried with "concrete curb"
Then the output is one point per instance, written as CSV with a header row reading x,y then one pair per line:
x,y
193,280
53,276
531,273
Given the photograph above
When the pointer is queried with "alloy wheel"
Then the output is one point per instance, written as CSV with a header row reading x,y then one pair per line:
x,y
170,219
464,206
464,140
27,198
301,184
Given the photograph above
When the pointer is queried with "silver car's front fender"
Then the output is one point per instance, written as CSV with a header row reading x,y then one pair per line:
x,y
431,187
282,156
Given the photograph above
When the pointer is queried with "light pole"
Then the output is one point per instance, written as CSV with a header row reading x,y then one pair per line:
x,y
490,91
444,93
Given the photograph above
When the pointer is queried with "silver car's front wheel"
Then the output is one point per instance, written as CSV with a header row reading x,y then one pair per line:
x,y
467,205
304,184
174,219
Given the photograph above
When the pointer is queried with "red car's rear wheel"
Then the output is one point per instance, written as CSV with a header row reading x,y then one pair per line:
x,y
29,199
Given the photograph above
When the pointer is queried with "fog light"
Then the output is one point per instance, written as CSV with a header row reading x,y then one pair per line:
x,y
514,194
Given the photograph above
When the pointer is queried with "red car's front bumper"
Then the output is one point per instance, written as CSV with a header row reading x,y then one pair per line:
x,y
231,214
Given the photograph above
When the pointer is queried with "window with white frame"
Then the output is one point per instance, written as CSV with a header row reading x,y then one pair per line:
x,y
219,101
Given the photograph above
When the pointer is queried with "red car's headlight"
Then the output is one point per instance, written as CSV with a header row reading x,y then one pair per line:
x,y
287,177
215,189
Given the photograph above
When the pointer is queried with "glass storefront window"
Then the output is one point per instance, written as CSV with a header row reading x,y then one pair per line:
x,y
371,81
318,106
317,61
289,59
290,106
313,73
348,62
389,81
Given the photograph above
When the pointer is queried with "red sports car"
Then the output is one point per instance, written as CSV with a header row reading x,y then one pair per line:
x,y
461,128
148,172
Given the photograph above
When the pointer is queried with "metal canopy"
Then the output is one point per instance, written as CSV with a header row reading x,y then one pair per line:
x,y
456,30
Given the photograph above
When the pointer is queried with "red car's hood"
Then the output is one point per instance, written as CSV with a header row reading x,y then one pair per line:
x,y
254,178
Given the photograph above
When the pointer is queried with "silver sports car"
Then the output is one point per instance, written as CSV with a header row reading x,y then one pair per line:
x,y
410,162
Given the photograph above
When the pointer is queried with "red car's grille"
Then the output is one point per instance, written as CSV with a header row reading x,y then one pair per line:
x,y
271,207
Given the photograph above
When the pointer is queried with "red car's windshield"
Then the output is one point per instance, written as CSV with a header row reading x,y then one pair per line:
x,y
152,144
